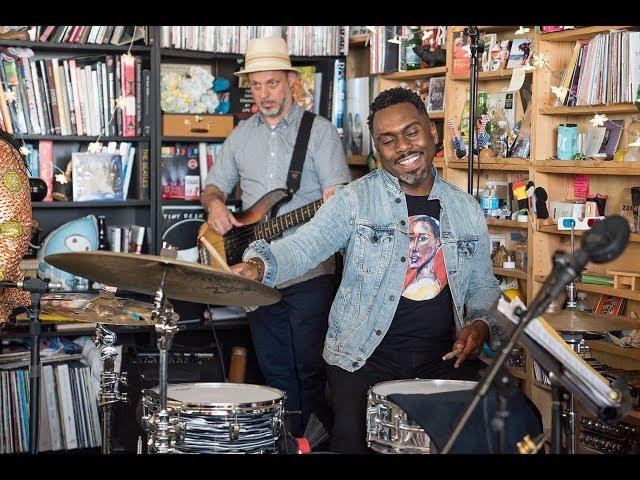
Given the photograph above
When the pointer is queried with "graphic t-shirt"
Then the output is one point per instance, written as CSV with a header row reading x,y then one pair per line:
x,y
424,317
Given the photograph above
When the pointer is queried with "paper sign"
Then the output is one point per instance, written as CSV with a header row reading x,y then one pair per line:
x,y
517,80
580,186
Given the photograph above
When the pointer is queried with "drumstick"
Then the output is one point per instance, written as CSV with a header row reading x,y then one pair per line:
x,y
214,253
453,353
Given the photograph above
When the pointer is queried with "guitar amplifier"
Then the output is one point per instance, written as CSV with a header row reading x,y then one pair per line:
x,y
184,366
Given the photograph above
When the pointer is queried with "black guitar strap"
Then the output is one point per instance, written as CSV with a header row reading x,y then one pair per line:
x,y
299,153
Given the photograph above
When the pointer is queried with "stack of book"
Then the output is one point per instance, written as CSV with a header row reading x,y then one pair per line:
x,y
68,404
75,96
605,69
104,34
302,40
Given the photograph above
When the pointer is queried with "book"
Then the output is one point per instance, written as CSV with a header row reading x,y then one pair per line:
x,y
519,53
436,94
180,169
357,108
461,54
179,228
611,137
303,88
97,176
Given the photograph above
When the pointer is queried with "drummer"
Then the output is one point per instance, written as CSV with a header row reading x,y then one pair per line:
x,y
417,281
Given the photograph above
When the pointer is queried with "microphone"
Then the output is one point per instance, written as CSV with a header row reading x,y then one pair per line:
x,y
604,242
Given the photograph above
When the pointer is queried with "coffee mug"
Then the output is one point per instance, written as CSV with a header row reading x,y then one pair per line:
x,y
567,141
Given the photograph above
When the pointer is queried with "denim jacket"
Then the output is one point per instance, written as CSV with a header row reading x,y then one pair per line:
x,y
367,221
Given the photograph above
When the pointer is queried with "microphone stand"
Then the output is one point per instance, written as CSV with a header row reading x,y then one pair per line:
x,y
36,287
566,269
476,48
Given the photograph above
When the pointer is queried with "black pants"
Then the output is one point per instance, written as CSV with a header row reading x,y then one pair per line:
x,y
289,338
349,389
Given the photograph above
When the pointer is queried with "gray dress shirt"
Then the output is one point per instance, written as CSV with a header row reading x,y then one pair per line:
x,y
259,155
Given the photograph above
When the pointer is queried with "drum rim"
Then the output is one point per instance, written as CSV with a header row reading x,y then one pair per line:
x,y
374,394
152,395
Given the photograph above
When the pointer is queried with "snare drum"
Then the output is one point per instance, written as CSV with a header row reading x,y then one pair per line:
x,y
222,417
388,428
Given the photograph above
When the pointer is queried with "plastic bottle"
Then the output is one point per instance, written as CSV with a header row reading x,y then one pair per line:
x,y
411,58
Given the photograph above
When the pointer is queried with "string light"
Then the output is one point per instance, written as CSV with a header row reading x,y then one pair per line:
x,y
394,40
598,120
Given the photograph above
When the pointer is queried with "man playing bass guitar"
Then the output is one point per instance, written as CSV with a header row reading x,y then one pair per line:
x,y
288,336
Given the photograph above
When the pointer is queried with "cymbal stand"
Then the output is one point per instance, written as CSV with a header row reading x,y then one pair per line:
x,y
574,341
110,382
164,428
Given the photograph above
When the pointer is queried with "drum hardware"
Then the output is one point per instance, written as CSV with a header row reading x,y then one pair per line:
x,y
110,382
36,287
529,447
171,278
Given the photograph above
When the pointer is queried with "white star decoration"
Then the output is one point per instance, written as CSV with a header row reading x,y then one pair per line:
x,y
94,147
10,95
539,60
128,59
636,143
120,102
24,150
61,178
528,67
371,28
426,35
394,40
522,30
559,91
598,120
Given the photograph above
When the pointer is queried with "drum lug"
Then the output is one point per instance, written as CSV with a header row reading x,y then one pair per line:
x,y
234,431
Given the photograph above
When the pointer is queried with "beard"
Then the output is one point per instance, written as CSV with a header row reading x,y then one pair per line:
x,y
277,109
271,112
414,178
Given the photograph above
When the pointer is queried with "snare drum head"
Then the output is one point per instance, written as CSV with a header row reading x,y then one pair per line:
x,y
213,394
420,386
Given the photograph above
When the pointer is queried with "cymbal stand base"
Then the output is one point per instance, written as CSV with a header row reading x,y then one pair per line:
x,y
110,383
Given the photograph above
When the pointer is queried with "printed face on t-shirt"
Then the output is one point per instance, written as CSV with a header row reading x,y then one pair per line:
x,y
425,276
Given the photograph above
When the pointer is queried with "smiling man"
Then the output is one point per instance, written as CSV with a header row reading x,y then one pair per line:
x,y
417,280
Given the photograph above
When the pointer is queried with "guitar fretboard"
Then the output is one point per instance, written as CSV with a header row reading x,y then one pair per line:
x,y
276,226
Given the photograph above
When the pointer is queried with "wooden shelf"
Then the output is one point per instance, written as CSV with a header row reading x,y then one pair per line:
x,y
491,75
602,346
585,110
438,162
75,47
634,237
83,138
510,272
494,222
166,138
577,33
592,167
359,40
493,28
92,204
180,201
616,292
415,74
436,115
357,160
520,164
203,55
540,384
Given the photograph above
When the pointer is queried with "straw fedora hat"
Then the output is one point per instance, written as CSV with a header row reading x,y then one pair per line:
x,y
266,54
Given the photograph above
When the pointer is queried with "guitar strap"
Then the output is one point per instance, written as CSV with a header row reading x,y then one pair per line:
x,y
299,153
